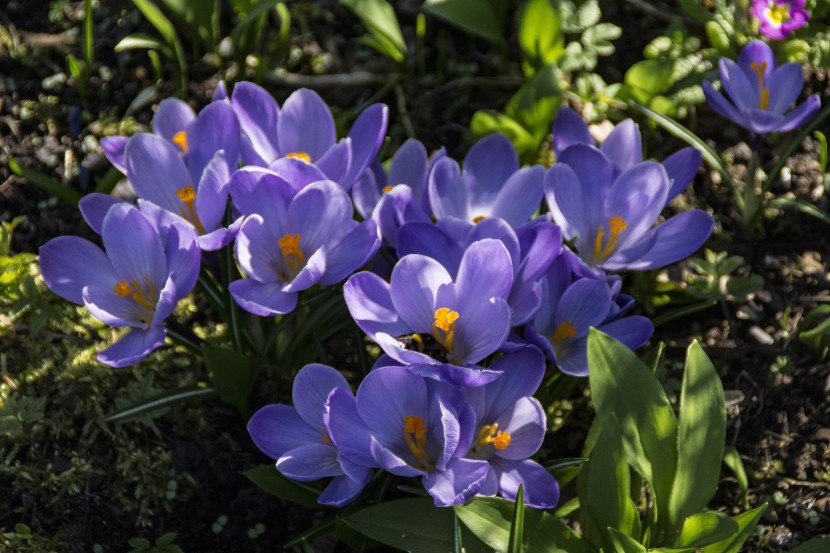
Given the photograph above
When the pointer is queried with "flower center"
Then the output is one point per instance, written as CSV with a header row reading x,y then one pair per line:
x,y
387,189
187,195
564,331
490,434
778,13
763,98
478,218
291,252
326,439
143,295
302,156
415,435
443,329
180,140
617,224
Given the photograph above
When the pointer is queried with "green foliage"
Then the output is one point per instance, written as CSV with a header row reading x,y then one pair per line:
x,y
379,17
815,331
477,17
163,544
720,276
230,374
267,478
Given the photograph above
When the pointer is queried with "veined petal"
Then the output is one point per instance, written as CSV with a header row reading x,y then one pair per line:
x,y
456,484
482,332
212,194
311,389
156,170
681,168
429,240
370,305
801,114
346,429
366,136
309,462
258,113
520,196
485,271
584,304
637,196
386,397
741,90
116,311
133,347
94,208
785,86
722,106
624,146
415,286
409,166
134,247
539,487
305,125
359,245
336,163
276,429
257,251
113,147
632,331
525,421
342,490
265,299
172,116
317,213
447,196
297,173
490,162
68,263
216,129
569,129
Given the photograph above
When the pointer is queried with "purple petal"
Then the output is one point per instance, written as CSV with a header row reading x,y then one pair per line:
x,y
134,247
456,484
385,398
212,194
471,376
296,172
94,208
485,271
584,304
785,85
317,213
258,191
336,162
624,146
68,263
760,53
255,251
539,487
721,105
428,240
415,285
520,196
346,429
525,421
309,462
352,252
390,461
171,117
258,114
370,305
398,352
168,298
490,162
113,147
447,196
500,230
637,196
311,389
524,300
569,129
220,92
133,347
305,125
741,90
681,168
156,171
483,331
575,208
219,238
276,429
801,114
540,244
183,259
409,166
366,194
216,128
114,310
396,208
632,331
761,121
262,299
522,372
342,490
366,135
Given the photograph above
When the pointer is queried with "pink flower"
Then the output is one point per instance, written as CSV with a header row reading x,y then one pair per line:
x,y
779,17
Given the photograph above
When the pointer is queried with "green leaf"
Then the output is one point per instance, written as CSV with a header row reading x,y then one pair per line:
x,y
626,392
230,373
700,439
599,38
45,182
624,544
816,545
603,485
490,121
139,41
514,544
540,33
684,134
476,17
588,14
413,524
489,519
158,20
198,17
732,459
705,529
535,105
269,479
746,522
801,205
822,150
648,78
379,17
253,14
161,401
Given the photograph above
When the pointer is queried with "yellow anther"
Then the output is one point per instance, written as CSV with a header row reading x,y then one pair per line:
x,y
617,225
302,156
387,189
443,329
291,252
187,195
779,13
326,439
415,435
759,69
564,331
145,296
180,140
478,218
490,434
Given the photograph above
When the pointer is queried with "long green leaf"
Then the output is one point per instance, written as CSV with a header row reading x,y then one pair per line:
x,y
379,17
230,374
476,17
514,544
624,544
45,182
700,439
709,156
161,401
732,459
626,392
89,46
269,479
801,205
158,20
139,41
704,529
746,522
540,33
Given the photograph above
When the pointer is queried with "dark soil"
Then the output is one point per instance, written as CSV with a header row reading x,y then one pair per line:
x,y
779,417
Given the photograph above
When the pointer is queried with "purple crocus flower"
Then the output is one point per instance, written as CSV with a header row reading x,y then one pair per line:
x,y
570,306
490,185
510,427
293,242
778,18
424,317
304,129
136,282
409,426
532,249
623,148
610,218
402,196
168,194
298,438
761,92
195,138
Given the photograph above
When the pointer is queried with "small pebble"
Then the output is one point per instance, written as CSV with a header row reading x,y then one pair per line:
x,y
761,336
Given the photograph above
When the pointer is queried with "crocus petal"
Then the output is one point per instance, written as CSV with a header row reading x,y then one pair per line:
x,y
262,299
216,128
258,191
156,170
501,231
296,172
721,105
219,238
740,89
785,86
525,422
624,145
801,114
471,376
490,162
523,371
335,163
305,125
637,196
94,208
133,347
584,304
366,194
391,461
385,398
681,168
342,490
370,305
446,195
396,350
429,240
113,310
113,147
212,195
68,263
276,429
134,247
593,169
396,208
352,252
524,301
220,92
409,166
540,244
575,208
257,113
485,271
539,487
761,121
457,483
311,389
317,213
183,259
172,116
632,331
482,332
366,136
309,462
569,129
346,429
520,196
415,284
255,252
572,357
760,53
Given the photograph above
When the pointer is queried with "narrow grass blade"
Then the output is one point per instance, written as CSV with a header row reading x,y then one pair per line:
x,y
45,182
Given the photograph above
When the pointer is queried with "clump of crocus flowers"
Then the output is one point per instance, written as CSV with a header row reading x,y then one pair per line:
x,y
476,299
